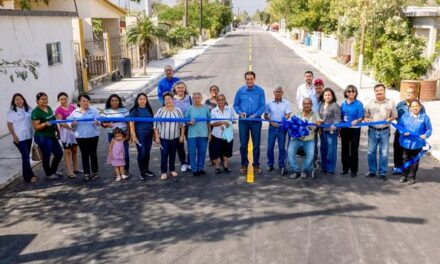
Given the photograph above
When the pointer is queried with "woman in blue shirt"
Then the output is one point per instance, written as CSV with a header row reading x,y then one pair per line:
x,y
419,124
142,134
352,112
87,136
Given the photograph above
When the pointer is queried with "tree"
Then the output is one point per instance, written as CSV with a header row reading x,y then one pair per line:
x,y
143,33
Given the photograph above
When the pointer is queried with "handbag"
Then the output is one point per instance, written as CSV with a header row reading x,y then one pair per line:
x,y
36,154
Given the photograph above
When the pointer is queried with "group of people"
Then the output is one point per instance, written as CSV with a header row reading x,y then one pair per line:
x,y
318,105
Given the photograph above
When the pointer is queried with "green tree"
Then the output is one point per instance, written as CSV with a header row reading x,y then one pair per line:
x,y
143,33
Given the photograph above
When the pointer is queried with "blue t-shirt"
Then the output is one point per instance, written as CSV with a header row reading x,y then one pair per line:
x,y
141,127
199,129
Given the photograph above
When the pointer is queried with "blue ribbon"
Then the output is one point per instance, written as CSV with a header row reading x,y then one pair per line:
x,y
295,127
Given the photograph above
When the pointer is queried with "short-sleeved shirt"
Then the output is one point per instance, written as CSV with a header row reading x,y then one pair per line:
x,y
352,111
21,122
183,104
227,113
168,130
86,129
312,118
199,129
305,91
65,112
114,113
380,111
141,127
43,117
278,109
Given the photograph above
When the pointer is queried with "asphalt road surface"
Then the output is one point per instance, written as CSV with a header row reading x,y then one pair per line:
x,y
220,218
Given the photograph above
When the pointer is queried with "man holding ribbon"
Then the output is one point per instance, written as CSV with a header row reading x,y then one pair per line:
x,y
249,102
379,109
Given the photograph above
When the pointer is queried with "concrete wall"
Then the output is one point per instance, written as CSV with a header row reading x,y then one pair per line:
x,y
25,37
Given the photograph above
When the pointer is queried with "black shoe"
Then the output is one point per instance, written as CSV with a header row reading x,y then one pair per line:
x,y
282,171
218,171
196,174
270,168
294,175
402,179
87,177
227,169
202,172
383,178
149,173
95,176
353,174
370,175
411,181
142,177
344,172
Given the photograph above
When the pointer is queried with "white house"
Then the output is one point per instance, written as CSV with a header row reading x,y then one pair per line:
x,y
42,36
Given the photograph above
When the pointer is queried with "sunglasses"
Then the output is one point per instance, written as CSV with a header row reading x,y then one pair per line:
x,y
351,91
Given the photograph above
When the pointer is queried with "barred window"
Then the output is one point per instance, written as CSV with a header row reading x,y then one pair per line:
x,y
54,53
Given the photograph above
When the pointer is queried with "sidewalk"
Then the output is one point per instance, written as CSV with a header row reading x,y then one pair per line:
x,y
343,76
127,88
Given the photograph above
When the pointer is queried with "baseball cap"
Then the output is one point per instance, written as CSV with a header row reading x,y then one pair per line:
x,y
318,82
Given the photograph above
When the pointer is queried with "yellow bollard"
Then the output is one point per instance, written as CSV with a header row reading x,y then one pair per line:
x,y
250,170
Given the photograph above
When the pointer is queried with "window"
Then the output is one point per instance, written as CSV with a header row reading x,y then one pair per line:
x,y
53,53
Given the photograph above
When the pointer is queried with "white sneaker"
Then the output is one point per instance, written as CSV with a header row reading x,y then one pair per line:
x,y
124,177
188,167
184,168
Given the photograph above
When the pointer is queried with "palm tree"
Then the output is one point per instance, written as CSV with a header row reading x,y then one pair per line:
x,y
143,33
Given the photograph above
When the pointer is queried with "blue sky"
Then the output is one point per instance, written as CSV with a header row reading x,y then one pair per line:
x,y
249,5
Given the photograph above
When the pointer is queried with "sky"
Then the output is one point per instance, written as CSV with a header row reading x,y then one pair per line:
x,y
249,5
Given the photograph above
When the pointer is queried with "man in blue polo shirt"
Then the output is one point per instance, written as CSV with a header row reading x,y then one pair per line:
x,y
276,110
249,102
166,83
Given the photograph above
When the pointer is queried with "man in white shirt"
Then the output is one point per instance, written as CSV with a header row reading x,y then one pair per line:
x,y
307,90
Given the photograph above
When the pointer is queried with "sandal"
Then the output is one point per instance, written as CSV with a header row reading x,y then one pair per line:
x,y
217,171
34,179
174,174
227,169
163,176
71,176
78,171
118,178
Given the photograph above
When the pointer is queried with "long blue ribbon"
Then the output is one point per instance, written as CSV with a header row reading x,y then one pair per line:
x,y
294,126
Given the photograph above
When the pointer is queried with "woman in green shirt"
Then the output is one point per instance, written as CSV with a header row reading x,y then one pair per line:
x,y
45,137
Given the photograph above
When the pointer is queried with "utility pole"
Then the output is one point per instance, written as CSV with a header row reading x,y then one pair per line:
x,y
185,16
201,22
362,44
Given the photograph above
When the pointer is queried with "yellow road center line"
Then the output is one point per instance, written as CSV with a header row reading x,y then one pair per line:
x,y
250,170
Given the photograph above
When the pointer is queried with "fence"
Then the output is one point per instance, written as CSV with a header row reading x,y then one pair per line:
x,y
96,66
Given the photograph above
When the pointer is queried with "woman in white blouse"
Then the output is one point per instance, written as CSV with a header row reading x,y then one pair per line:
x,y
20,127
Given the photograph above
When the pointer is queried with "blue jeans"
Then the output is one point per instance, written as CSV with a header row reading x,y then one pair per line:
x,y
309,149
276,134
254,128
127,152
197,152
48,146
378,139
329,147
24,147
143,158
168,154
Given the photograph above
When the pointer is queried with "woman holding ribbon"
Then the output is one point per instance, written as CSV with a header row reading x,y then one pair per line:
x,y
183,101
211,103
352,112
142,133
115,109
67,135
20,126
167,134
87,135
46,136
222,134
330,114
417,128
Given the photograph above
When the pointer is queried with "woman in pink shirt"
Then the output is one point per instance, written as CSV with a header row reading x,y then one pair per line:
x,y
67,135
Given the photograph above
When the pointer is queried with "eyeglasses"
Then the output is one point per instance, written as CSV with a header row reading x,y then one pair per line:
x,y
351,91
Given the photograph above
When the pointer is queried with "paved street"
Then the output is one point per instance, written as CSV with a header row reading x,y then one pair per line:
x,y
220,218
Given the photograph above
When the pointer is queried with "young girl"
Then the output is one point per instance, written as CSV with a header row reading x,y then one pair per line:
x,y
116,154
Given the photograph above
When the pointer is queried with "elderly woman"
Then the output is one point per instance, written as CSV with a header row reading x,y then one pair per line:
x,y
306,142
46,136
168,135
352,112
20,126
211,103
330,113
67,135
417,123
87,136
